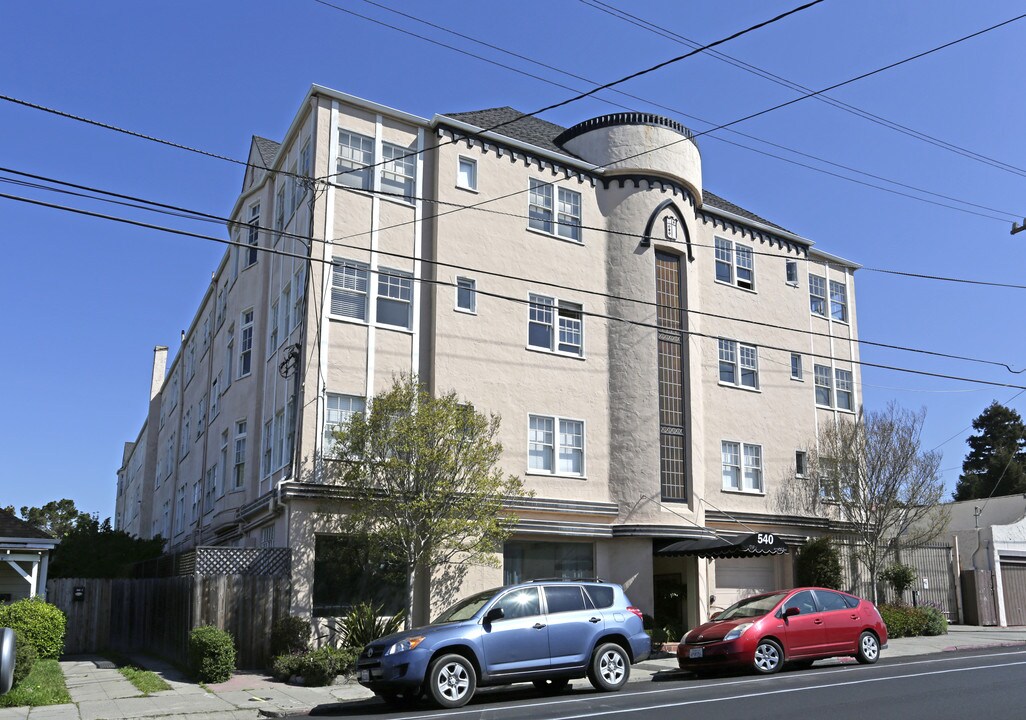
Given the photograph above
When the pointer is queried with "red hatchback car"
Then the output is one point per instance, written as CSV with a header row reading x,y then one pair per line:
x,y
796,627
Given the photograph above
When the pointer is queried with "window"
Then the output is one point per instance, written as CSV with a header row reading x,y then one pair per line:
x,y
214,397
285,306
246,343
201,416
272,335
266,444
520,603
174,391
739,364
843,388
541,445
223,470
180,510
169,461
297,297
838,301
466,294
525,560
190,361
541,330
240,454
222,304
830,601
824,388
306,160
398,174
466,174
791,272
355,154
278,443
735,264
817,295
339,408
229,359
564,598
395,298
279,212
741,467
801,463
540,210
796,367
197,494
349,283
297,188
254,235
206,334
186,437
211,486
267,536
290,430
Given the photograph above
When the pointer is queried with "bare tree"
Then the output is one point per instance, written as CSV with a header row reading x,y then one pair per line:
x,y
871,473
422,484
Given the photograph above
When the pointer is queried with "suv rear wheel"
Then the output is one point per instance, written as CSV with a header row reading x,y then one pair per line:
x,y
610,667
452,681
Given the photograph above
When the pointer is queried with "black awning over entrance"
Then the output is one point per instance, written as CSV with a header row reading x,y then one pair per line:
x,y
751,545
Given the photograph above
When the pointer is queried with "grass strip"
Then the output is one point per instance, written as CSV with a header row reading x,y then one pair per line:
x,y
44,685
146,681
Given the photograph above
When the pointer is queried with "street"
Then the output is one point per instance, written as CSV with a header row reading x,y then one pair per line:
x,y
953,685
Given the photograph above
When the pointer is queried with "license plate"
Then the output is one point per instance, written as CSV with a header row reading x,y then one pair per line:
x,y
695,652
365,676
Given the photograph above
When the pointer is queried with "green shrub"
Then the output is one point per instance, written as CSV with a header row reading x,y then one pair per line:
x,y
900,578
25,657
290,635
364,624
211,654
936,623
908,621
818,564
42,625
285,666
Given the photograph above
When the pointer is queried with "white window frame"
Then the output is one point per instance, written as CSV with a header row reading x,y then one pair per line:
x,y
742,360
737,260
299,290
239,466
273,341
395,288
399,171
844,387
253,236
246,329
797,367
180,510
355,156
559,428
471,182
823,372
801,463
745,464
279,213
223,460
350,279
278,441
817,295
838,301
306,160
555,210
564,321
265,444
338,408
791,272
467,286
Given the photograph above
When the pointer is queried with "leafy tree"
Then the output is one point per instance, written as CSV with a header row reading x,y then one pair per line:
x,y
900,578
57,517
94,549
871,473
818,564
996,462
422,484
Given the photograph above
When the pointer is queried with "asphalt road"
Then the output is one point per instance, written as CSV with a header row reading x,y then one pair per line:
x,y
984,684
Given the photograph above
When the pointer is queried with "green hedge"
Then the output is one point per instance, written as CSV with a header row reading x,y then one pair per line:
x,y
25,657
40,623
289,635
317,667
908,621
211,654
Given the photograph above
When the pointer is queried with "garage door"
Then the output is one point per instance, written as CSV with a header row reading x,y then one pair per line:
x,y
746,575
1013,587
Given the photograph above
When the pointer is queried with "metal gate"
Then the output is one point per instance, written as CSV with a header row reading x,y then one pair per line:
x,y
935,582
1013,589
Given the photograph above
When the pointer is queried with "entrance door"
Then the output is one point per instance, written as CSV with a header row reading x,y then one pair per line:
x,y
670,593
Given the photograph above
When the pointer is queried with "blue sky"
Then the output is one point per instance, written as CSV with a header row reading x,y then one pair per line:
x,y
86,300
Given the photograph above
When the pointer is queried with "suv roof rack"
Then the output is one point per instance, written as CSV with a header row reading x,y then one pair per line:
x,y
565,579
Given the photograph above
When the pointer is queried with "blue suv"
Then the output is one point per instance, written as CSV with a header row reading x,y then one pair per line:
x,y
544,631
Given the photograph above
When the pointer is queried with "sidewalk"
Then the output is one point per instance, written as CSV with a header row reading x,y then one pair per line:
x,y
100,694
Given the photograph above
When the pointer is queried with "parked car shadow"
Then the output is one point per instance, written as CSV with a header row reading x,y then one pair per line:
x,y
483,698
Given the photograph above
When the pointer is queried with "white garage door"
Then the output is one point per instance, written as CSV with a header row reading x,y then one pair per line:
x,y
746,575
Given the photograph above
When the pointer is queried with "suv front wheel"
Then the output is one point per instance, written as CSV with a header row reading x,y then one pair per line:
x,y
610,667
452,681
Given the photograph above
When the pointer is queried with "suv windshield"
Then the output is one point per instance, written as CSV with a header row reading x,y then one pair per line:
x,y
466,608
751,607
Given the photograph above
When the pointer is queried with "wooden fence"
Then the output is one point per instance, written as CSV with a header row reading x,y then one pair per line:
x,y
156,615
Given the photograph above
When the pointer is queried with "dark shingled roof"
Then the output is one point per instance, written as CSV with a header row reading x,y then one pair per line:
x,y
542,133
12,527
268,149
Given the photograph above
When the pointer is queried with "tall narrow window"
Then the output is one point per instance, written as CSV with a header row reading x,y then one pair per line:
x,y
240,454
272,333
796,366
349,284
843,389
569,214
279,213
571,447
355,155
306,160
466,173
800,463
753,468
395,298
745,267
541,443
265,443
817,295
539,208
671,364
277,457
246,343
728,361
298,292
253,235
466,294
724,261
223,467
824,387
539,325
731,464
791,271
838,301
339,409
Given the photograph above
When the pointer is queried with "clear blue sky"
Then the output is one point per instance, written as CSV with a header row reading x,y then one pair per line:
x,y
86,300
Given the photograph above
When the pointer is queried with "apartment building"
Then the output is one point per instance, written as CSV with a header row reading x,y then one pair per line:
x,y
660,357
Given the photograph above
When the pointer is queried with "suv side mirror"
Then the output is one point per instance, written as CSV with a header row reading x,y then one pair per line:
x,y
792,611
496,613
7,643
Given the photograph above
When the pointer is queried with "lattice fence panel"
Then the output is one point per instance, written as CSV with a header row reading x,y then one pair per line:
x,y
274,562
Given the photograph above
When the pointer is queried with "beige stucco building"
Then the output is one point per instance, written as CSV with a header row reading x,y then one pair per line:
x,y
660,357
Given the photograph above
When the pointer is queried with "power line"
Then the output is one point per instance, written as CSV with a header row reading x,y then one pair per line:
x,y
521,301
841,105
578,96
672,110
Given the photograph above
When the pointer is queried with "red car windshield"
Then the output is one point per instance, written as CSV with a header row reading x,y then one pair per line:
x,y
751,607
